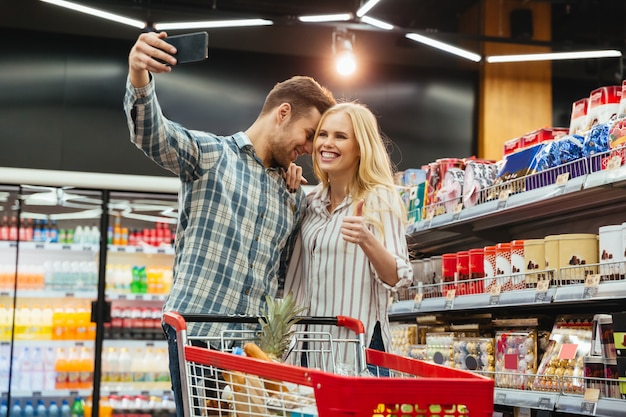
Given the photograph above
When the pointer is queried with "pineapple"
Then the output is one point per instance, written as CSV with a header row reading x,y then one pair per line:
x,y
276,322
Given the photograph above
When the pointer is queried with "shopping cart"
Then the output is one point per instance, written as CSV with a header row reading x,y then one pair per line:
x,y
223,383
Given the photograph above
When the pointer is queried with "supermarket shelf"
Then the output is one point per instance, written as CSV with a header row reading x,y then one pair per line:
x,y
556,296
605,407
596,195
120,343
136,297
531,399
50,246
147,250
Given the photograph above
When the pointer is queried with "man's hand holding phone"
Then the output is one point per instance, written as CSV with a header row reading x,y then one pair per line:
x,y
157,53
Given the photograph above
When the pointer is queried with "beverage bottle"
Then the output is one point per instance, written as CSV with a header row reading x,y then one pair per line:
x,y
4,409
124,363
13,228
4,228
85,364
25,369
58,323
29,410
16,410
77,409
5,323
53,233
53,409
41,410
4,370
35,323
114,368
71,326
37,231
37,376
79,235
49,369
45,231
61,369
73,369
46,322
65,409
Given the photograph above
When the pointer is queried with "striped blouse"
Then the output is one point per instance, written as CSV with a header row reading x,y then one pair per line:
x,y
332,277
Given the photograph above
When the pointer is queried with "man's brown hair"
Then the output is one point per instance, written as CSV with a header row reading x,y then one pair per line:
x,y
303,93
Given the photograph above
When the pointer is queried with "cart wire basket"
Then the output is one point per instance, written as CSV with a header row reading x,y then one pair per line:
x,y
377,384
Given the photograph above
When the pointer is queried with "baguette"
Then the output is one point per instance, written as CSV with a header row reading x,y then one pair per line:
x,y
254,351
248,394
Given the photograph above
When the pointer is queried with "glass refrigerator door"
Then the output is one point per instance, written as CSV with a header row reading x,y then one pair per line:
x,y
140,255
8,268
53,347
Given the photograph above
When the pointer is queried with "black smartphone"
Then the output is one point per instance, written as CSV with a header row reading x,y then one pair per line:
x,y
190,47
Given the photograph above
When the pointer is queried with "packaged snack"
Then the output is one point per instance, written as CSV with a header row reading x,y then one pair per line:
x,y
516,358
440,347
562,365
474,354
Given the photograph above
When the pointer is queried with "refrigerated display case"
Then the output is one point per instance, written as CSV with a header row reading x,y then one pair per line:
x,y
85,263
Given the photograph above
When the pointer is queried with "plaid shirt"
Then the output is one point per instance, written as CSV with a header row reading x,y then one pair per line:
x,y
237,220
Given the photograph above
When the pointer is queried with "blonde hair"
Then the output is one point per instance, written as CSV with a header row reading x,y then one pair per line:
x,y
375,170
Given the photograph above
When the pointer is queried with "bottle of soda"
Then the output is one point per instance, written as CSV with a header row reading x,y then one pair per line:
x,y
77,409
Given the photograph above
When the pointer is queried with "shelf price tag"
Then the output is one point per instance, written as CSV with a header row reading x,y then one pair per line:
x,y
417,301
542,290
592,282
456,212
450,299
500,398
589,403
562,179
494,295
503,196
545,403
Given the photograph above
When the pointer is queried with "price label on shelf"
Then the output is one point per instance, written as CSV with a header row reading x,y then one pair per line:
x,y
542,290
456,212
590,401
592,282
503,197
494,295
562,179
450,299
545,403
500,398
417,301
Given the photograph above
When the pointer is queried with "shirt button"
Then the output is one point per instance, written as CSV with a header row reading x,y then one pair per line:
x,y
247,292
251,266
256,238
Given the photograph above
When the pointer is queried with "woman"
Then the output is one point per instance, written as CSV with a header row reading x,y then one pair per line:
x,y
352,251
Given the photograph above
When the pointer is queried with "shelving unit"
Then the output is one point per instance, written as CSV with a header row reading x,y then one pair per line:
x,y
580,205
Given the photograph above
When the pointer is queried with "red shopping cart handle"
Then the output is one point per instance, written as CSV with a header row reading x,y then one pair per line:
x,y
178,321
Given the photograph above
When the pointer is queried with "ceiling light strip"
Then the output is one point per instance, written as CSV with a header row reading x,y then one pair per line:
x,y
377,23
213,24
553,56
366,7
339,17
98,13
444,47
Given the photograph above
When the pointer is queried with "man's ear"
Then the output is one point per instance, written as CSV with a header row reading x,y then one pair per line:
x,y
283,113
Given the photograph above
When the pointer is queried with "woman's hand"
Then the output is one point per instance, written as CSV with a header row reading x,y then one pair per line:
x,y
293,177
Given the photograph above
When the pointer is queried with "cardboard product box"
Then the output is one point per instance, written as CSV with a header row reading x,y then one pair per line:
x,y
543,135
603,104
512,146
578,119
619,335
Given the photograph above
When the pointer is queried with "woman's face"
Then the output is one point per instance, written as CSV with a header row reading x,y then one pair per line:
x,y
336,148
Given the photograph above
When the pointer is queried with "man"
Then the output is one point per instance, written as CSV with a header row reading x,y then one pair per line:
x,y
238,218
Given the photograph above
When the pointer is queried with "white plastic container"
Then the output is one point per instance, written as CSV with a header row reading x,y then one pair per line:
x,y
611,252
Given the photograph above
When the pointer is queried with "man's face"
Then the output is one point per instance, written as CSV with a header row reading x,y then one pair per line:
x,y
294,138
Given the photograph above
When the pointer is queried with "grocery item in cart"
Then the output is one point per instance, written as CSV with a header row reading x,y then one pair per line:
x,y
413,388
